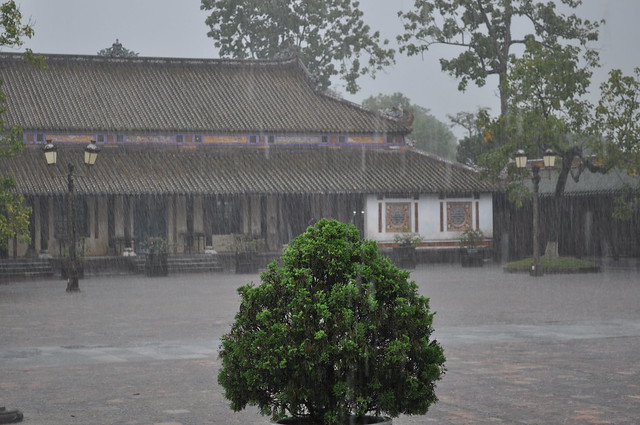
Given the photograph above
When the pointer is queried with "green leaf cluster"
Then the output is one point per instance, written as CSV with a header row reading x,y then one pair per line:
x,y
329,36
14,215
427,132
12,30
336,332
617,121
546,110
482,32
617,118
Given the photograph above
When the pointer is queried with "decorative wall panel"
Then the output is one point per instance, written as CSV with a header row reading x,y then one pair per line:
x,y
458,216
398,217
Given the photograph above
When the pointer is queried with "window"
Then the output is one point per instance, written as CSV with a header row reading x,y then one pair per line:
x,y
120,138
197,138
179,138
398,217
342,139
100,138
458,216
253,139
40,137
325,139
271,138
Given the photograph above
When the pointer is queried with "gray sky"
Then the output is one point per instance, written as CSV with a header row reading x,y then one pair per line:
x,y
176,28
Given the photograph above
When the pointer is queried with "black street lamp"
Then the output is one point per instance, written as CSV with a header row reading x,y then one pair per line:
x,y
549,159
90,157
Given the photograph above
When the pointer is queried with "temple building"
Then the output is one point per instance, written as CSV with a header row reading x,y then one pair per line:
x,y
194,150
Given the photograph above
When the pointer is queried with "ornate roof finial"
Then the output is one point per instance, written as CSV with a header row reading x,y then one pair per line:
x,y
117,51
398,113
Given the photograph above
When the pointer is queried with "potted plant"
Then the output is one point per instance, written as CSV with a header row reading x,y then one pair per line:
x,y
156,260
471,253
336,335
405,252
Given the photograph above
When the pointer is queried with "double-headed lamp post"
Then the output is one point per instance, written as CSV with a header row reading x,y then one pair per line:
x,y
90,157
549,159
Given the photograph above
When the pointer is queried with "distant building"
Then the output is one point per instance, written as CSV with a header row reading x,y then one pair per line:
x,y
195,149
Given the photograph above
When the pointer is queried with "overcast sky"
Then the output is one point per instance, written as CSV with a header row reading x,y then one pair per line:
x,y
176,28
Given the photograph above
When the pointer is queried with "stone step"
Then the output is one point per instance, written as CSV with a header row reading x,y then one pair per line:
x,y
25,268
114,265
24,274
184,263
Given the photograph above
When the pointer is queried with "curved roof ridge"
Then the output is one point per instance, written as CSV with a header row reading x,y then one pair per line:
x,y
444,160
63,57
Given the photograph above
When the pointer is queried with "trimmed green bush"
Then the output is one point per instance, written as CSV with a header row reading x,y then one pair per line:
x,y
338,332
553,264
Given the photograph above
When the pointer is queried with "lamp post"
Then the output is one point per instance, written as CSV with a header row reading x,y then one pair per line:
x,y
90,157
549,159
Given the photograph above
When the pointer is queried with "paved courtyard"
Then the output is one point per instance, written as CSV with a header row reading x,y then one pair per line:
x,y
560,349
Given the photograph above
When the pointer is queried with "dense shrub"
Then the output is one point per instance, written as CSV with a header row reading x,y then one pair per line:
x,y
337,332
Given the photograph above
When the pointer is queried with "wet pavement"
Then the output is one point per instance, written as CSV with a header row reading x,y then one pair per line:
x,y
560,349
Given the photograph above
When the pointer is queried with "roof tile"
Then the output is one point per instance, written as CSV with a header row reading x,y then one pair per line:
x,y
80,93
243,170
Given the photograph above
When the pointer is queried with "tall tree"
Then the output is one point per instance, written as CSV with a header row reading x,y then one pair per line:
x,y
329,36
483,32
546,111
429,134
542,62
617,119
14,215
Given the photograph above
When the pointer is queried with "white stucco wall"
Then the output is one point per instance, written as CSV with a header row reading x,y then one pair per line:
x,y
430,208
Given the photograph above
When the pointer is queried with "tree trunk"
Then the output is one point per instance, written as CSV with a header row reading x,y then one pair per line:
x,y
554,221
555,211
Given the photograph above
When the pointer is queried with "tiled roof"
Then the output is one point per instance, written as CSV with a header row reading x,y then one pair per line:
x,y
218,170
588,184
101,94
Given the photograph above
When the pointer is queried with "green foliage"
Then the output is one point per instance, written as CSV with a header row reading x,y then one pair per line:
x,y
474,144
471,238
407,238
337,331
617,118
627,203
546,83
14,215
482,31
540,89
429,134
550,264
329,36
471,147
546,110
12,30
